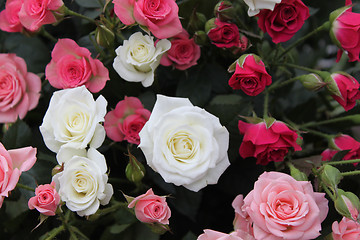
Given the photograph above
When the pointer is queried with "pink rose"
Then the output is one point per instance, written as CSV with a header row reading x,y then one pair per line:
x,y
159,16
250,75
19,89
344,89
347,229
46,200
12,164
215,235
126,120
267,143
284,21
345,33
72,66
224,34
283,208
35,13
340,143
242,220
184,52
9,17
150,208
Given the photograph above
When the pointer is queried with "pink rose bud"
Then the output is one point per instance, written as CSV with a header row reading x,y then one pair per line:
x,y
312,82
339,143
72,66
284,21
224,11
347,229
223,34
347,204
13,163
267,142
22,91
183,54
33,15
344,89
46,200
150,208
214,235
126,120
250,75
344,32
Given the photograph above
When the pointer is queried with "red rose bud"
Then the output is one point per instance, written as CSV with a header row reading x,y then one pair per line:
x,y
331,176
312,82
134,171
344,89
224,11
223,34
347,204
344,32
104,36
250,75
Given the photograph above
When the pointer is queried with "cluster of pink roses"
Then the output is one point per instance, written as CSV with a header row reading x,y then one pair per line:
x,y
29,15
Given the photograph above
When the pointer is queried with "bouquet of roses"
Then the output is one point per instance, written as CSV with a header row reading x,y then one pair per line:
x,y
188,119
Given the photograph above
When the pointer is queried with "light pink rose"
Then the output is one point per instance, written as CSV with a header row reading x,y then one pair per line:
x,y
242,220
72,66
159,16
150,208
283,208
9,17
346,229
19,89
35,13
12,164
184,52
215,235
46,200
126,120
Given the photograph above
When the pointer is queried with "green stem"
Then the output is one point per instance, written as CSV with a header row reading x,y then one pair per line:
x,y
325,26
19,185
55,232
282,84
301,68
342,162
266,104
72,13
334,120
351,173
47,35
328,192
317,133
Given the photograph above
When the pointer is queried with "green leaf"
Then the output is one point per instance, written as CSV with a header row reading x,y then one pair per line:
x,y
117,228
339,155
17,136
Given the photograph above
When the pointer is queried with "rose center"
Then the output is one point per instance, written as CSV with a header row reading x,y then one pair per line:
x,y
183,146
140,52
45,198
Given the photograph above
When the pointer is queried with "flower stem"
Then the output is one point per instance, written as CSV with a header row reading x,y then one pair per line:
x,y
317,133
301,68
334,120
351,173
47,35
282,84
325,26
342,162
266,104
19,185
72,13
55,232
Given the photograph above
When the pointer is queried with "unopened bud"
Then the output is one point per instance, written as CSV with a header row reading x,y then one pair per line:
x,y
347,204
57,169
331,176
197,21
224,11
210,24
312,82
104,36
134,171
200,38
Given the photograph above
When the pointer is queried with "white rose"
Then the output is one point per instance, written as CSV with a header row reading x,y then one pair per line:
x,y
138,58
185,144
83,182
73,120
256,5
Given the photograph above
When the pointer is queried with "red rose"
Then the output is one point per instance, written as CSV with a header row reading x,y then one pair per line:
x,y
184,52
250,75
345,33
284,21
224,34
267,143
344,89
340,143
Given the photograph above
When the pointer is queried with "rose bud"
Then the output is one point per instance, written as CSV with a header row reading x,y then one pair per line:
x,y
46,200
134,171
344,89
344,32
224,11
200,38
104,36
347,204
331,176
312,82
197,21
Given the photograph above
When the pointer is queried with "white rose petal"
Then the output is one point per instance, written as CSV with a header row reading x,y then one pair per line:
x,y
73,119
256,5
138,58
83,182
185,144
